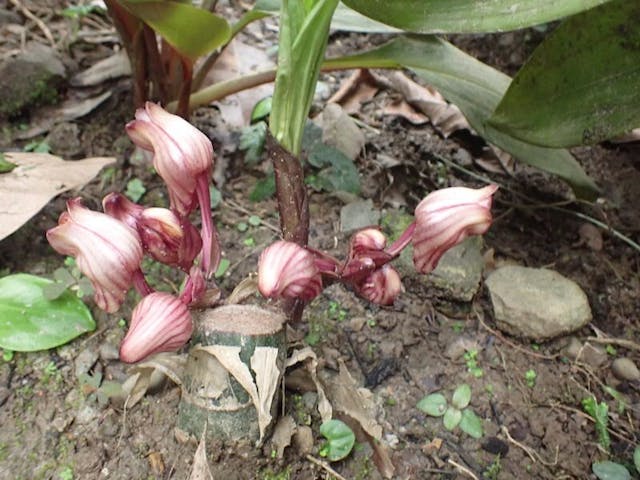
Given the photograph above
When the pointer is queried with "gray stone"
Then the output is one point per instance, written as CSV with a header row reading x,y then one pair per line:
x,y
625,369
85,360
459,271
30,79
537,304
340,131
459,346
64,140
359,214
592,355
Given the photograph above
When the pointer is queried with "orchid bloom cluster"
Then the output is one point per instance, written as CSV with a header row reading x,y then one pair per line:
x,y
109,247
443,219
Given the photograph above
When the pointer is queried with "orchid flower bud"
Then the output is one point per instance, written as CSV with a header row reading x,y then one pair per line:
x,y
368,239
381,287
159,323
445,218
181,152
106,250
287,270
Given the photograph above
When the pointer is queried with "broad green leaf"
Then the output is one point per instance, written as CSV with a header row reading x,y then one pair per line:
x,y
636,458
462,396
434,405
610,471
471,424
190,30
468,16
6,165
344,18
582,84
264,188
301,45
476,89
29,322
340,439
451,418
252,140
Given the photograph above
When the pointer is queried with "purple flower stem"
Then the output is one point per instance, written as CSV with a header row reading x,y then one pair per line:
x,y
210,243
396,247
140,284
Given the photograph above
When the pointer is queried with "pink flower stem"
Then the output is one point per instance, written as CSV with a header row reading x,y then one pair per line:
x,y
140,284
396,247
210,243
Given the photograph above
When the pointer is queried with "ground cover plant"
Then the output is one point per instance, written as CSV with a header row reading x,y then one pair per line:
x,y
298,269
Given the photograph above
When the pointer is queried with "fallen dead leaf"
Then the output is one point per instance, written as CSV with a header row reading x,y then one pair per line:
x,y
282,434
115,66
446,117
200,470
400,108
156,463
359,88
38,178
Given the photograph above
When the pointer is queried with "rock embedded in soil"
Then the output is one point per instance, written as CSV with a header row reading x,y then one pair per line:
x,y
593,355
537,303
624,369
357,215
459,271
32,78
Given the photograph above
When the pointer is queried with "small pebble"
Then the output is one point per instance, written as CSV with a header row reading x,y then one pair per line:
x,y
625,369
84,361
303,440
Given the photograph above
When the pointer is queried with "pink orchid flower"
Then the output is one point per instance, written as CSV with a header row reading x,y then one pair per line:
x,y
106,250
287,270
159,323
381,287
445,218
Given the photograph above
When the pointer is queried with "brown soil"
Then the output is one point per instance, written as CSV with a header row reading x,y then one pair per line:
x,y
52,424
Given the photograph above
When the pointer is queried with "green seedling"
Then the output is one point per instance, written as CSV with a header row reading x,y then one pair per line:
x,y
530,377
471,358
340,440
36,146
249,242
611,350
135,189
336,312
622,403
223,266
608,470
5,165
455,415
66,473
69,278
492,472
600,414
457,327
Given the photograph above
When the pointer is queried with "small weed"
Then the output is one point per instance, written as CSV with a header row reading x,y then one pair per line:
x,y
600,414
336,312
455,415
66,473
457,327
471,359
530,377
493,471
283,475
611,350
135,189
37,146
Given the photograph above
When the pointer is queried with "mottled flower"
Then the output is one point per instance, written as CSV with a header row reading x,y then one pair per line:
x,y
106,250
287,270
381,287
181,153
445,218
159,323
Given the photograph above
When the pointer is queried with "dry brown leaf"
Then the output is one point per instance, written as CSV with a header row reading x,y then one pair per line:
x,y
115,66
239,59
446,117
308,357
146,374
38,178
360,87
282,434
200,470
400,108
68,110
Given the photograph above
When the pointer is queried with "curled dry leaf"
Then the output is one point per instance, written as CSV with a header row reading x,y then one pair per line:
x,y
200,470
37,179
446,117
307,357
360,87
145,375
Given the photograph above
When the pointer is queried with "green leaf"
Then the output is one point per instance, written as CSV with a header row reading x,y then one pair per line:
x,y
581,85
215,197
340,439
254,220
264,188
135,189
261,110
223,266
252,140
5,165
29,322
467,16
434,405
471,424
600,414
636,458
610,471
301,45
190,30
452,417
462,396
476,89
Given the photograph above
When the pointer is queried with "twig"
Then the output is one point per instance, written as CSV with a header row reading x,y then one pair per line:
x,y
463,469
500,337
325,466
41,25
620,342
530,451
